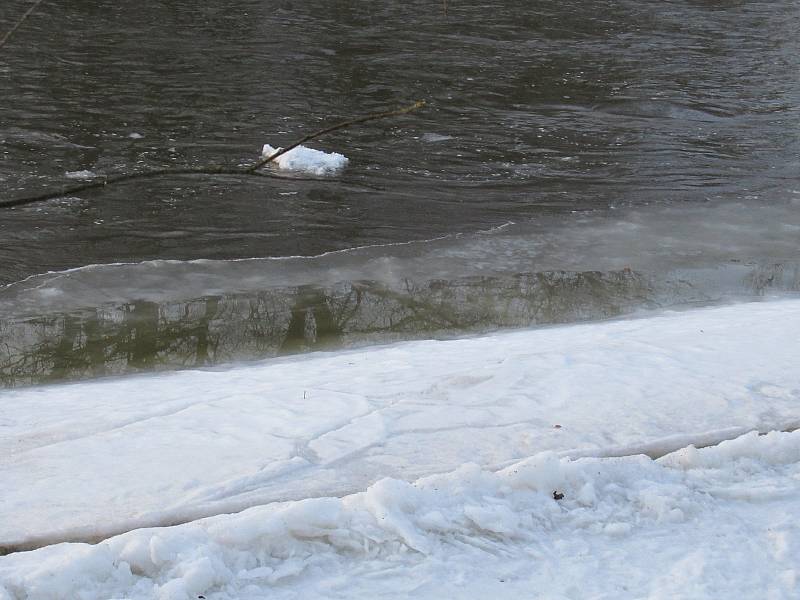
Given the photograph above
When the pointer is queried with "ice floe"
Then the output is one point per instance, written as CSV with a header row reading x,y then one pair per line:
x,y
82,175
307,160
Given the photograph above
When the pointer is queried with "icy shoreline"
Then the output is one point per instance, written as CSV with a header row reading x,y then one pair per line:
x,y
168,448
296,439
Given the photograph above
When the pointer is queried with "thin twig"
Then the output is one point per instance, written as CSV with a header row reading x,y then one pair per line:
x,y
100,183
22,19
248,171
342,125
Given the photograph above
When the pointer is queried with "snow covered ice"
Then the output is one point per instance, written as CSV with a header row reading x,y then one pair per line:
x,y
307,160
324,448
717,522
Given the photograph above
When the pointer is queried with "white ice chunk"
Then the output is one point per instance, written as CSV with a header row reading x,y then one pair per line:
x,y
307,160
84,175
435,137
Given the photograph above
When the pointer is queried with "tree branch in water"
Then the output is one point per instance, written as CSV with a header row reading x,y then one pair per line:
x,y
342,125
17,25
247,171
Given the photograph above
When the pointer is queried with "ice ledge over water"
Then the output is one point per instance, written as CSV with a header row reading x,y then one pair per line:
x,y
307,160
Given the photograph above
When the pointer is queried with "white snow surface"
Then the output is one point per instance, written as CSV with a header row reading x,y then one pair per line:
x,y
718,522
307,160
88,460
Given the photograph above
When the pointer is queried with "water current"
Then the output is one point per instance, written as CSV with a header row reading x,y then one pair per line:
x,y
576,160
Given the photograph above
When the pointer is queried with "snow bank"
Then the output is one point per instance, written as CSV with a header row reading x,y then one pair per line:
x,y
163,449
307,160
548,526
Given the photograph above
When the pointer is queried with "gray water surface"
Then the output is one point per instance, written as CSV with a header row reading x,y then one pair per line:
x,y
646,154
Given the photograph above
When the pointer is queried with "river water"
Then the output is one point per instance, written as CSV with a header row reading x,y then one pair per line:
x,y
576,160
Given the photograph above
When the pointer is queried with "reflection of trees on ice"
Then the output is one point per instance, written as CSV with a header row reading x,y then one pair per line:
x,y
311,322
143,335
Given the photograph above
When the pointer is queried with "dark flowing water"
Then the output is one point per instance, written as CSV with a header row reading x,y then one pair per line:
x,y
647,154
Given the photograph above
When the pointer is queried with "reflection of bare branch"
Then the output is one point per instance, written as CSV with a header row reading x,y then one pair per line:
x,y
344,310
425,312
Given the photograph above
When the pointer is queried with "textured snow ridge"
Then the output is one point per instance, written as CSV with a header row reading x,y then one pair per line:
x,y
169,448
717,522
307,160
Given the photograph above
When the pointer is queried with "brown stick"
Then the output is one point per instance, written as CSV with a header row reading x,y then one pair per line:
x,y
22,19
342,125
251,171
100,183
